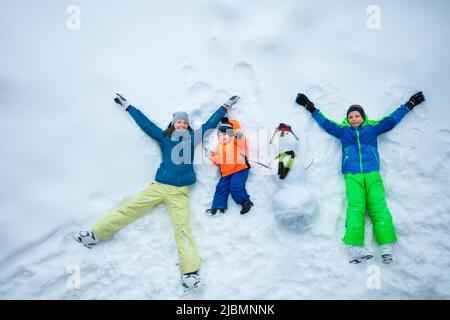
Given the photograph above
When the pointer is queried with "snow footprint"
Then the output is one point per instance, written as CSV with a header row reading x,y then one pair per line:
x,y
315,92
200,92
444,135
222,13
401,92
422,111
327,95
190,74
246,76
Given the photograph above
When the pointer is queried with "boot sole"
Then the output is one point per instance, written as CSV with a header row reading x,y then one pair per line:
x,y
361,260
387,258
197,287
76,238
219,213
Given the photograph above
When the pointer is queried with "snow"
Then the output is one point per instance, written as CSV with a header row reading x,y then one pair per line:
x,y
69,154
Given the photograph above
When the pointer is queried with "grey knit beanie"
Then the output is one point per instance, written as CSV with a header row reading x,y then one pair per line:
x,y
180,115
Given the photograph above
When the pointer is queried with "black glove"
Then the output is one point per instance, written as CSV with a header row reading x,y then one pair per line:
x,y
304,101
416,99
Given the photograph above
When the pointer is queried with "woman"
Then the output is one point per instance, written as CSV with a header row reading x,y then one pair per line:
x,y
170,187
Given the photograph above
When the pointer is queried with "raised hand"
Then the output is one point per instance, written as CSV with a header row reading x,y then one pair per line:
x,y
305,102
415,100
122,101
230,102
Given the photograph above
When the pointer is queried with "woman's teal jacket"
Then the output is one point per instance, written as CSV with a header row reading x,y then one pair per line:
x,y
176,168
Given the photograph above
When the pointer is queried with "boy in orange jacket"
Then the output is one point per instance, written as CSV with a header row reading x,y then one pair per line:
x,y
231,157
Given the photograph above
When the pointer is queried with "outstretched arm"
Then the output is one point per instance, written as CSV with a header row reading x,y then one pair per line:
x,y
143,122
328,125
214,120
389,122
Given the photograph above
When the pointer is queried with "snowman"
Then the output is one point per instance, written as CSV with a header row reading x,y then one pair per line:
x,y
285,149
295,207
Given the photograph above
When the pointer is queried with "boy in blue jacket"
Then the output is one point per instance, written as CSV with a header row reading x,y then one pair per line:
x,y
360,167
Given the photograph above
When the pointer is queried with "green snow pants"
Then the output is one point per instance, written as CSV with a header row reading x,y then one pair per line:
x,y
177,201
362,189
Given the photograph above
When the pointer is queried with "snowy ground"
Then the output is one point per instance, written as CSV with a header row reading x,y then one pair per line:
x,y
69,155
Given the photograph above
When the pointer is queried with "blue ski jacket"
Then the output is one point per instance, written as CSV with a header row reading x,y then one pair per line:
x,y
359,145
176,168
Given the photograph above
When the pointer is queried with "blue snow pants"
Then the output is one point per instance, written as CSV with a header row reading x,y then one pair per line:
x,y
234,184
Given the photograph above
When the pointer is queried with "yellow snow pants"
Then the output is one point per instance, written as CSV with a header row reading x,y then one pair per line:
x,y
177,201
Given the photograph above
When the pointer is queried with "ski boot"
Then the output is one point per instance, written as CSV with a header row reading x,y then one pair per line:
x,y
246,206
386,253
191,281
215,212
358,254
86,238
